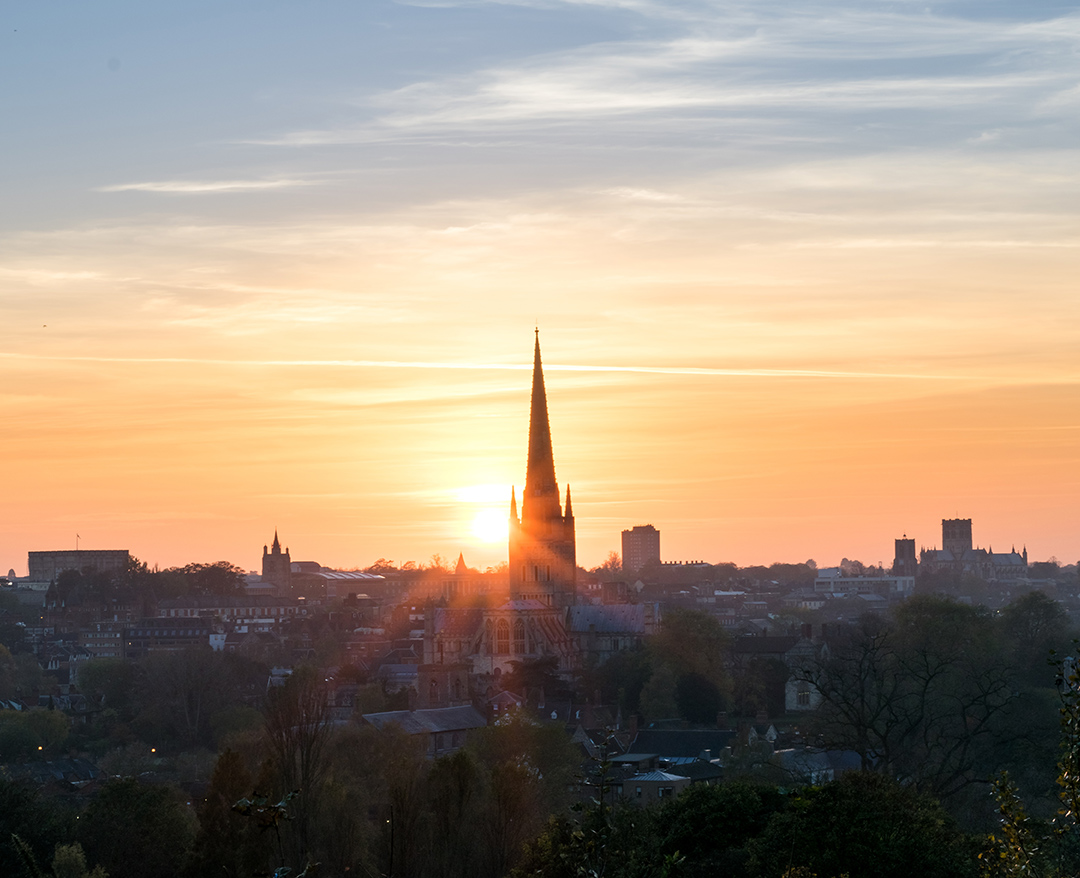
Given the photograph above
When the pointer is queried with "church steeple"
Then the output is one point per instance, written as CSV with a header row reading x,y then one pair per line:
x,y
275,547
540,500
542,543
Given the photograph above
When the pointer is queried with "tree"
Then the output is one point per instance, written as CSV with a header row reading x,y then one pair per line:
x,y
923,698
297,731
689,660
69,861
863,826
134,830
711,826
534,675
40,825
612,566
226,843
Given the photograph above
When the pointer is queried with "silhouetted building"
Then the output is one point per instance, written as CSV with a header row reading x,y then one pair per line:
x,y
541,618
956,535
640,545
905,562
277,566
46,566
543,554
958,556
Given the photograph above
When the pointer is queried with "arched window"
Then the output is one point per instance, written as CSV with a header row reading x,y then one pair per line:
x,y
502,637
519,637
487,637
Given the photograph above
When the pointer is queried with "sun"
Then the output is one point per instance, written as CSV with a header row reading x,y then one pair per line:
x,y
491,526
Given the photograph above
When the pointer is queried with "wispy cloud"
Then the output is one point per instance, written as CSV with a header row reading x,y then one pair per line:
x,y
757,60
706,372
201,187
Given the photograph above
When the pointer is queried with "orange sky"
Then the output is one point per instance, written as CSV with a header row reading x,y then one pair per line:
x,y
800,290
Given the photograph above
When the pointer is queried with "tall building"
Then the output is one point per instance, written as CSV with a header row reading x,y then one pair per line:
x,y
905,563
956,535
640,545
277,566
958,555
543,553
46,566
542,617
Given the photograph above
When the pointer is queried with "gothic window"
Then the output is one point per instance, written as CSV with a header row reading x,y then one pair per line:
x,y
536,573
519,637
487,637
457,690
502,637
547,574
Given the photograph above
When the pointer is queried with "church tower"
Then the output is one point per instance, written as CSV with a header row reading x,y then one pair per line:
x,y
277,567
543,554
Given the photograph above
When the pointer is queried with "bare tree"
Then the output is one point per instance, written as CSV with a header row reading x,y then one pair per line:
x,y
297,731
923,698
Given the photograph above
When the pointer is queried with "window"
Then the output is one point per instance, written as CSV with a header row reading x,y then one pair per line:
x,y
665,792
637,792
502,637
519,637
803,698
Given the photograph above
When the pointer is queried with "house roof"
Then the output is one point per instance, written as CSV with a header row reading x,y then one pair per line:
x,y
457,622
656,775
698,770
764,644
681,742
607,618
431,720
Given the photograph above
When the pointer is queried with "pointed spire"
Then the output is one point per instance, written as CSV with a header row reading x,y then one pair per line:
x,y
569,510
513,503
461,566
541,498
276,546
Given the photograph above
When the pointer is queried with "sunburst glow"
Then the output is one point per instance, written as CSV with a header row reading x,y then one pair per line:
x,y
491,526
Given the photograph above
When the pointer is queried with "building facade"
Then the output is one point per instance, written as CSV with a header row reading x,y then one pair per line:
x,y
640,545
46,566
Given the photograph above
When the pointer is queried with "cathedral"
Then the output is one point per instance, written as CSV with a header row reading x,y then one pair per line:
x,y
542,615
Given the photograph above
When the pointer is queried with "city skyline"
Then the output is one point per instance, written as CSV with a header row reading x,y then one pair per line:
x,y
805,279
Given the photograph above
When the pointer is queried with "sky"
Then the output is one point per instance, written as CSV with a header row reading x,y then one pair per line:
x,y
806,275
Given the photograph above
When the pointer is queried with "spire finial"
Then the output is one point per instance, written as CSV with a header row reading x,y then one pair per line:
x,y
540,499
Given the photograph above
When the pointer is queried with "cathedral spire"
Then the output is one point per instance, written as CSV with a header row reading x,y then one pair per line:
x,y
569,510
541,497
513,503
276,545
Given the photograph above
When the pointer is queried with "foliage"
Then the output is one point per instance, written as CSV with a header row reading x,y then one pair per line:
x,y
69,861
225,841
690,668
133,830
34,732
865,826
38,825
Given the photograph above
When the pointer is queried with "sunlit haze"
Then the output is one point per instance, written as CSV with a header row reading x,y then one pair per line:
x,y
806,275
